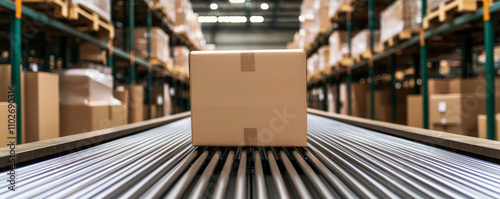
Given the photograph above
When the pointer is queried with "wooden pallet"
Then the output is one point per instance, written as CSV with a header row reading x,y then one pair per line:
x,y
447,11
95,23
78,16
55,8
163,11
399,38
366,55
343,9
346,62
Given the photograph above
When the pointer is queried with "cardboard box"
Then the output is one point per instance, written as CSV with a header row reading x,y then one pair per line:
x,y
159,43
481,126
154,111
89,118
456,113
122,95
42,106
358,98
438,86
118,115
92,52
248,98
4,132
136,104
414,111
459,85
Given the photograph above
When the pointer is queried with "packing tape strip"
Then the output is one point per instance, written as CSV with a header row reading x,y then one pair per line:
x,y
247,62
250,136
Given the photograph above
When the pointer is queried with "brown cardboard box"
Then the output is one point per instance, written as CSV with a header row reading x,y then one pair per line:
x,y
42,106
414,111
4,132
122,95
248,98
159,43
154,111
456,113
118,115
5,81
382,104
89,118
136,104
438,86
358,98
481,126
459,85
92,52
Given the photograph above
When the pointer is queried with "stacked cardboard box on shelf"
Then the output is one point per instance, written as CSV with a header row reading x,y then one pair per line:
x,y
136,103
338,46
322,16
312,64
92,53
181,57
89,93
323,58
361,42
414,102
169,6
481,126
42,106
159,43
400,15
102,8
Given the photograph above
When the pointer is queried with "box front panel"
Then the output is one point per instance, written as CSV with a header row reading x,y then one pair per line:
x,y
228,96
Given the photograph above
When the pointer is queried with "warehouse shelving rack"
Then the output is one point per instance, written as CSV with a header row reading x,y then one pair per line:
x,y
178,82
418,47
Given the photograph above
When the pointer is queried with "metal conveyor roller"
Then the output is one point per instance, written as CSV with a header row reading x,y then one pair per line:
x,y
342,161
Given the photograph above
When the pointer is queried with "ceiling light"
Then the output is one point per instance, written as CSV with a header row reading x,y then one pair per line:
x,y
264,6
207,19
214,6
256,19
232,19
301,18
237,1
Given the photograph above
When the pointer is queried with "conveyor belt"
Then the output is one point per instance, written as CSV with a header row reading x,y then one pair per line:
x,y
342,161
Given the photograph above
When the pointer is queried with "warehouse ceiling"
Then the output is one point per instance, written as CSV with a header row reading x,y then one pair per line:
x,y
276,14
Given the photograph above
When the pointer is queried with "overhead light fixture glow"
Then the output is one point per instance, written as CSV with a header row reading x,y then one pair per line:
x,y
207,19
214,6
237,1
301,18
256,19
232,19
264,6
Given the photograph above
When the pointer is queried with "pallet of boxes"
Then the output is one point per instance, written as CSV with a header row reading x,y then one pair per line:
x,y
87,102
454,106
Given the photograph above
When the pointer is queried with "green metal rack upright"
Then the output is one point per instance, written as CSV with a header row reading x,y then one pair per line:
x,y
489,42
15,61
423,66
371,26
